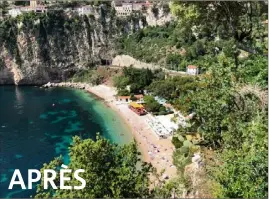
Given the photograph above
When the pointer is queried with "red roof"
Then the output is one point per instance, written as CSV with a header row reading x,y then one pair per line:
x,y
192,67
139,96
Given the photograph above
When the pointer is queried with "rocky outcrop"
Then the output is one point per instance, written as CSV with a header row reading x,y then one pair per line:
x,y
6,76
51,47
126,60
35,49
77,85
199,185
159,19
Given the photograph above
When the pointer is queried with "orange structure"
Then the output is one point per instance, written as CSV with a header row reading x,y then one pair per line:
x,y
137,108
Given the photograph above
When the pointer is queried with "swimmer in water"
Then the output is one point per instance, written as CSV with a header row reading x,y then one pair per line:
x,y
53,104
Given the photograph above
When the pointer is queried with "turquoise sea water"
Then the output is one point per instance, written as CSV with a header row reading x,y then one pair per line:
x,y
37,125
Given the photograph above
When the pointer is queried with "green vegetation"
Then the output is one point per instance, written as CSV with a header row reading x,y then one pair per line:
x,y
196,40
4,7
137,79
243,170
230,114
110,171
94,76
22,3
88,76
229,99
151,104
174,88
227,40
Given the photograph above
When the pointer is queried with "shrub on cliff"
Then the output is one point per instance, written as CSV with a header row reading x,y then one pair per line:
x,y
110,171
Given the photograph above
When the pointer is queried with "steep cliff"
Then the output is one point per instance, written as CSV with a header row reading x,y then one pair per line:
x,y
37,48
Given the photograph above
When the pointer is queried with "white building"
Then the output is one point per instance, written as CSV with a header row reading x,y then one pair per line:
x,y
37,9
85,10
14,12
34,6
124,8
33,3
192,70
138,6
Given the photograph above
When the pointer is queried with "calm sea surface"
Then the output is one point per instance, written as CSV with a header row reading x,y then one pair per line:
x,y
37,125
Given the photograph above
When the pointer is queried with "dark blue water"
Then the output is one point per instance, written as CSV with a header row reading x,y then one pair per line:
x,y
37,125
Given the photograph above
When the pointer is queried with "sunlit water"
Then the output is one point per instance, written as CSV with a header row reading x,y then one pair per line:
x,y
37,125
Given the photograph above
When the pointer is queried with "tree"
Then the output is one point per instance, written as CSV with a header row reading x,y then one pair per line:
x,y
243,169
96,78
213,103
138,79
4,7
110,171
151,104
136,88
235,126
254,70
123,92
172,88
166,9
164,88
155,11
22,3
120,82
236,19
133,98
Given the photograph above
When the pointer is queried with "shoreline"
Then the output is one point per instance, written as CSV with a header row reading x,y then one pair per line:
x,y
153,150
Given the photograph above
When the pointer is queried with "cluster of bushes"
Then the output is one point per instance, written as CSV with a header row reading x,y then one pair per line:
x,y
201,44
92,76
227,117
185,148
136,80
152,105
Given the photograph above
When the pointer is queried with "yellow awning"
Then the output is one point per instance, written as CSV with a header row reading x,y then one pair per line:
x,y
135,105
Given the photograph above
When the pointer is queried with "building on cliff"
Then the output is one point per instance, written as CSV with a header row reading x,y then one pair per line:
x,y
14,12
125,8
35,6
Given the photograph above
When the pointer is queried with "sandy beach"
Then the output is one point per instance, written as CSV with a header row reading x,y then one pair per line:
x,y
154,150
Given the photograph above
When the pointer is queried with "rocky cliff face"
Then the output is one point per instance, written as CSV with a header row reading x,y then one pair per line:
x,y
37,48
159,18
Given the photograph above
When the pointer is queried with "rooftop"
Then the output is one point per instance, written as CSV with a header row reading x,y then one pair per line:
x,y
135,105
192,67
124,97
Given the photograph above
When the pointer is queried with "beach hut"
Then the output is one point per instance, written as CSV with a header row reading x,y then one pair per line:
x,y
137,108
123,98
